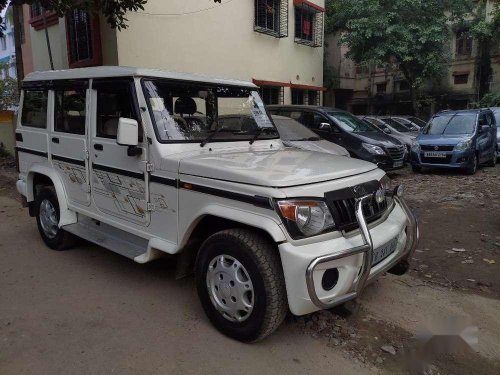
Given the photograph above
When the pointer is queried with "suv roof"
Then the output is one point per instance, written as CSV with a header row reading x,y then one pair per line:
x,y
121,71
455,112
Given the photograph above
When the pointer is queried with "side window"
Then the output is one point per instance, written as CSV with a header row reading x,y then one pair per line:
x,y
69,111
308,119
490,119
114,100
34,109
482,119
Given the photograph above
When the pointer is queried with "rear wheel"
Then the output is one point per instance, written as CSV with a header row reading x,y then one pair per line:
x,y
472,168
240,284
47,218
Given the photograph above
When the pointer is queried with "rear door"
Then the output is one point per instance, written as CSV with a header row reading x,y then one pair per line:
x,y
118,180
68,138
485,140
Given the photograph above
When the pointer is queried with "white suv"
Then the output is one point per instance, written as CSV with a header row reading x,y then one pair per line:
x,y
147,163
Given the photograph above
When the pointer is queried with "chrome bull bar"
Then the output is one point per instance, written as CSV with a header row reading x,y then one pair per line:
x,y
367,250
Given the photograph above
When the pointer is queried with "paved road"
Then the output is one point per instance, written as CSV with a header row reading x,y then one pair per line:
x,y
89,311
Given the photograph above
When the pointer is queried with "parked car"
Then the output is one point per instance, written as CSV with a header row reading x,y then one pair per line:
x,y
385,127
496,113
457,140
294,134
398,125
362,140
415,122
137,161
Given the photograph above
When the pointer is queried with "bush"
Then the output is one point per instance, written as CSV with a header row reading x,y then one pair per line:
x,y
489,100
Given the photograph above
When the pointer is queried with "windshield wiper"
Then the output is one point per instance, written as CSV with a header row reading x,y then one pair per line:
x,y
211,135
259,131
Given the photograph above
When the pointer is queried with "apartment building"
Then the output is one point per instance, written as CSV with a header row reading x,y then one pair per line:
x,y
7,48
278,44
377,90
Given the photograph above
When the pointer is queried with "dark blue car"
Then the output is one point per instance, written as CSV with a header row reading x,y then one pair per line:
x,y
457,140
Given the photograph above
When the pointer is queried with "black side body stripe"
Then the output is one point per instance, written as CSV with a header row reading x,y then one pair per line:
x,y
122,172
164,180
33,152
256,200
69,160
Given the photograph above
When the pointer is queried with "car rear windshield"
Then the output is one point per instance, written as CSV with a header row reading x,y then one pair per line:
x,y
291,130
351,123
452,124
189,112
417,121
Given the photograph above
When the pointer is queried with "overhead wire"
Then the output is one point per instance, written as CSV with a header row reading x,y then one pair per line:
x,y
186,13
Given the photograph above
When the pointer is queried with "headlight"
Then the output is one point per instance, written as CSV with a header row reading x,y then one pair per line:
x,y
415,147
372,149
306,218
463,145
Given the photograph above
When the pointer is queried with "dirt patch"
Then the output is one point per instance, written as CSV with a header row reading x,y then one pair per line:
x,y
460,228
8,177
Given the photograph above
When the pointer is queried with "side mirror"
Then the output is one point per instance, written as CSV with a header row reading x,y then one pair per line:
x,y
128,135
387,131
325,127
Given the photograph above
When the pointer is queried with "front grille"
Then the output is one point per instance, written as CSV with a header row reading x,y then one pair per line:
x,y
396,153
436,148
445,160
342,206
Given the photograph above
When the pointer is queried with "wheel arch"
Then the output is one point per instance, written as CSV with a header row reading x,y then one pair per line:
x,y
42,175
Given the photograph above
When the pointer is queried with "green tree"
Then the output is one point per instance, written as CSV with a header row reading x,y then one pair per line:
x,y
8,90
411,36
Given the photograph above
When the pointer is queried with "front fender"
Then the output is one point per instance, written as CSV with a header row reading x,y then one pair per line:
x,y
249,218
66,216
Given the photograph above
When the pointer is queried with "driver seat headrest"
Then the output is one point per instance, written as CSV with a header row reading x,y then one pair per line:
x,y
185,105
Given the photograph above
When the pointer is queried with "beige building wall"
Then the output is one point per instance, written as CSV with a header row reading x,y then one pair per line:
x,y
57,37
220,41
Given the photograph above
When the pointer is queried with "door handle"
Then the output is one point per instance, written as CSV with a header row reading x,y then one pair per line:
x,y
98,147
55,140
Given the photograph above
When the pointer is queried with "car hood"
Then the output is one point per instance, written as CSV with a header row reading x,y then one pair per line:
x,y
378,139
279,168
318,146
441,139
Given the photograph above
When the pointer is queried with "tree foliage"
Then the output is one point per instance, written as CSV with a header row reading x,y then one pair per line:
x,y
8,91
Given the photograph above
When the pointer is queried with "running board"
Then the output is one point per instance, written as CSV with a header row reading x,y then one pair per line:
x,y
109,237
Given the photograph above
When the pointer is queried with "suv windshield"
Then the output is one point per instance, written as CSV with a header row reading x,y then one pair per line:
x,y
351,123
291,130
190,112
396,125
456,124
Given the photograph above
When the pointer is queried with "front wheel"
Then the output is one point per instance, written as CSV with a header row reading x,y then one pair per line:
x,y
472,168
240,284
493,161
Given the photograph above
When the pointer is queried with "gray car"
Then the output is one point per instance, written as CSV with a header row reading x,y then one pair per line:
x,y
406,138
294,134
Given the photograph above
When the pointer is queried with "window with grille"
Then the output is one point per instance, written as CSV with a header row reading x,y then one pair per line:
x,y
272,95
271,17
308,24
461,79
463,44
381,88
80,36
298,96
36,10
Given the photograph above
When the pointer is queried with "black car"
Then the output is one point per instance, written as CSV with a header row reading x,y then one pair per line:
x,y
361,139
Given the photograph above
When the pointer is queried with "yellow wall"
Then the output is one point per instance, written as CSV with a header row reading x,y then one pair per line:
x,y
7,136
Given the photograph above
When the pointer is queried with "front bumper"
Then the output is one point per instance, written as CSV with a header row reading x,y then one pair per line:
x,y
305,265
453,160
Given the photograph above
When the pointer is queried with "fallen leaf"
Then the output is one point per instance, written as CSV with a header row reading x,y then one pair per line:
x,y
458,250
490,261
467,261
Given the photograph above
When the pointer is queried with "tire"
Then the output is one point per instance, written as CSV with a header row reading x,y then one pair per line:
x,y
416,168
493,161
47,218
258,268
471,170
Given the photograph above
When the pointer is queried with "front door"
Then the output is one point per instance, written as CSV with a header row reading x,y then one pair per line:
x,y
68,140
118,180
485,140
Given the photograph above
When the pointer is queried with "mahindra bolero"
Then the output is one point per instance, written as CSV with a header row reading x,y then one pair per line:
x,y
145,163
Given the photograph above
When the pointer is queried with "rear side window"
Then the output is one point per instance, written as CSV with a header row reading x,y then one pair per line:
x,y
34,109
70,111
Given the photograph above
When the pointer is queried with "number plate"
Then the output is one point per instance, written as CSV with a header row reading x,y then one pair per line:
x,y
433,154
384,251
398,164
